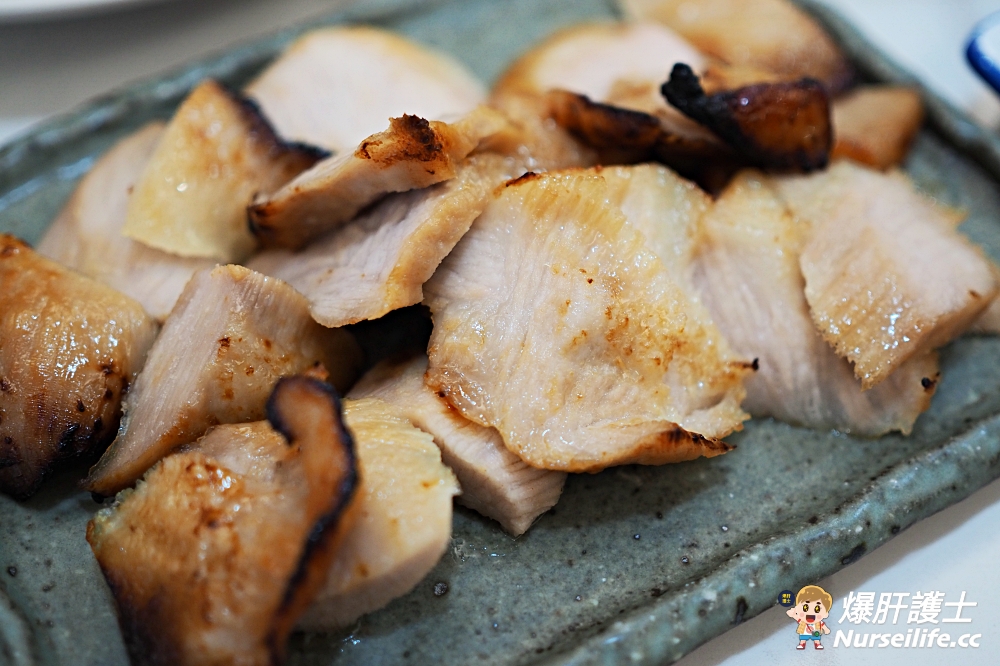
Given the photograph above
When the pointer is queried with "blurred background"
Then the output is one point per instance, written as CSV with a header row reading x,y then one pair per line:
x,y
55,54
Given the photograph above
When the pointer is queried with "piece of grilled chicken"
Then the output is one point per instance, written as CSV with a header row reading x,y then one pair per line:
x,y
555,324
411,154
875,125
494,481
402,523
233,333
748,271
86,236
380,261
216,153
666,209
601,82
770,35
69,349
335,86
218,551
887,276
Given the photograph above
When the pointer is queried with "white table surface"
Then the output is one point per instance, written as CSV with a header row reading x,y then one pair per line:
x,y
48,67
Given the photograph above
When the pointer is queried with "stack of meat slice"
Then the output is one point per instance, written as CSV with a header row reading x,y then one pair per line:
x,y
591,306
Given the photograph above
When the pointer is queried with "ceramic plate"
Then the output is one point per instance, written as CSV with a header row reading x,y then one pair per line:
x,y
636,564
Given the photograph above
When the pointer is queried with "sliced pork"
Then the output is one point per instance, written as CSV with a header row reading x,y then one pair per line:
x,y
215,155
335,86
87,234
69,349
748,273
380,261
554,324
411,154
773,35
233,333
887,276
217,552
403,517
875,125
494,481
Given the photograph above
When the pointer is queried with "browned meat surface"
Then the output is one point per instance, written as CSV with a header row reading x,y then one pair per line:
x,y
875,125
494,481
783,125
748,272
380,261
216,553
554,324
215,155
87,234
69,349
772,35
411,154
335,86
233,333
534,139
887,276
403,517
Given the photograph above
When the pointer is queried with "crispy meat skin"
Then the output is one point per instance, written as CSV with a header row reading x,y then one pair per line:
x,y
494,481
379,261
69,349
553,292
215,154
86,236
411,154
233,333
212,562
783,126
403,517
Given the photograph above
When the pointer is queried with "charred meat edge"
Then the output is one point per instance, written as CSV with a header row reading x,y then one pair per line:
x,y
283,416
732,119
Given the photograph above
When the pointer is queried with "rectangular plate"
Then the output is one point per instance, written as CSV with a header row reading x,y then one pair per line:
x,y
638,564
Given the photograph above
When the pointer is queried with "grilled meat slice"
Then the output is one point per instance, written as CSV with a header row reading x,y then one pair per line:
x,y
216,553
667,210
875,125
69,349
554,324
87,234
380,261
887,276
533,138
494,481
403,517
772,35
411,154
335,86
784,126
601,83
233,333
748,271
215,155
594,59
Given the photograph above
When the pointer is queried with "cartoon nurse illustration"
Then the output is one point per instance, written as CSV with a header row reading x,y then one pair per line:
x,y
812,606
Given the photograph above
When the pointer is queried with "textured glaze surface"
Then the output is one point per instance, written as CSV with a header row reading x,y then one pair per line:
x,y
635,565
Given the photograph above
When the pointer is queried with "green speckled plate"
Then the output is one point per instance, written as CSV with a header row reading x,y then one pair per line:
x,y
636,565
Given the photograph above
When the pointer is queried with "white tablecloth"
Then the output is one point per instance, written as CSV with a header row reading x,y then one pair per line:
x,y
48,68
